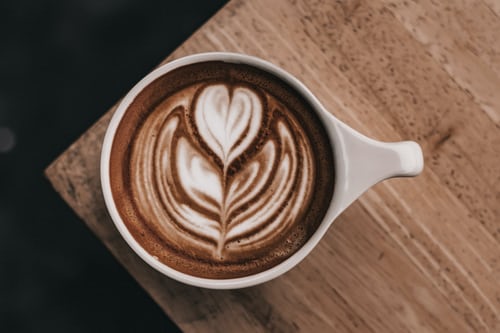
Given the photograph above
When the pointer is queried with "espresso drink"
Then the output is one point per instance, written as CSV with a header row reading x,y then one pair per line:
x,y
221,170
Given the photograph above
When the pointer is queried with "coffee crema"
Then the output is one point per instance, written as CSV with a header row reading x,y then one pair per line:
x,y
221,170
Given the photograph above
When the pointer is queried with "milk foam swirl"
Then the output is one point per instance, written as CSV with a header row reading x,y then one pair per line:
x,y
217,173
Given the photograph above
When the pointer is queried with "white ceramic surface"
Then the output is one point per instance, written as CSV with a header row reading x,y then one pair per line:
x,y
360,162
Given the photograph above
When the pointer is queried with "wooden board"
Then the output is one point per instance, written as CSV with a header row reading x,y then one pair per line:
x,y
411,255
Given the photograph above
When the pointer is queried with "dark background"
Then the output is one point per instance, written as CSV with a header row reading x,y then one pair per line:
x,y
62,65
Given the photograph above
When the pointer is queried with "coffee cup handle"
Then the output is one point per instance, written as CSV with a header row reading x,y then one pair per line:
x,y
365,162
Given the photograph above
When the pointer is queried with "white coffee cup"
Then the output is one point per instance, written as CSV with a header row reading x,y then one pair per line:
x,y
360,162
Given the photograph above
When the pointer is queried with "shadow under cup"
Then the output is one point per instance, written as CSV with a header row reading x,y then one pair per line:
x,y
217,171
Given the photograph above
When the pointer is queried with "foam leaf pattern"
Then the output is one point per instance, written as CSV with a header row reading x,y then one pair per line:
x,y
195,203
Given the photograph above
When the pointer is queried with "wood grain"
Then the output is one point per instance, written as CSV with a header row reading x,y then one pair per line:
x,y
411,255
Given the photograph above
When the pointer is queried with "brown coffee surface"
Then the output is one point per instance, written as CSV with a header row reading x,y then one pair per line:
x,y
221,170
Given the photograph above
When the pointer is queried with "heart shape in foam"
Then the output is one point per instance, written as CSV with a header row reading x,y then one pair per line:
x,y
228,123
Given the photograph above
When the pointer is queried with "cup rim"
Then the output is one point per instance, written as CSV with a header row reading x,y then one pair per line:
x,y
328,121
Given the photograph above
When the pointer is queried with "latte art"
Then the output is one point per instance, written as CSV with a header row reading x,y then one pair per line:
x,y
220,170
202,184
